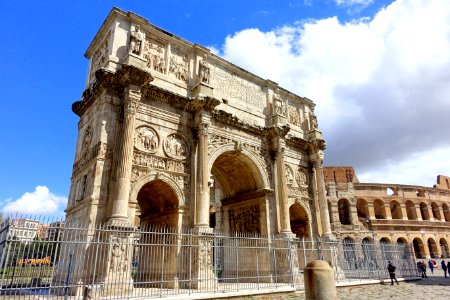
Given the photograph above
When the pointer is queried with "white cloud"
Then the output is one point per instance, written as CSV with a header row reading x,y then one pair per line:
x,y
381,84
39,202
353,2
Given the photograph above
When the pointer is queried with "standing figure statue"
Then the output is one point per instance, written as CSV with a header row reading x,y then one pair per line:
x,y
135,46
204,70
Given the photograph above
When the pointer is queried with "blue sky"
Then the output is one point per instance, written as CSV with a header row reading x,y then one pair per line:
x,y
44,71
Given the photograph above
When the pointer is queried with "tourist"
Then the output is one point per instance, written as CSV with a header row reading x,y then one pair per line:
x,y
431,265
444,268
422,269
391,269
448,267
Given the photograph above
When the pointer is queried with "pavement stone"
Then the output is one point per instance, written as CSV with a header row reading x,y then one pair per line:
x,y
436,286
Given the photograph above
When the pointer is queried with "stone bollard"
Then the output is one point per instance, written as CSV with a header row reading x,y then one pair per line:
x,y
319,281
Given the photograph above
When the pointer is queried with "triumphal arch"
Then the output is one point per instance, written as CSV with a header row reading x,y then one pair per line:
x,y
172,134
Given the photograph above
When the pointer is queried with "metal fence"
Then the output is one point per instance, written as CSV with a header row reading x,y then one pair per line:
x,y
122,261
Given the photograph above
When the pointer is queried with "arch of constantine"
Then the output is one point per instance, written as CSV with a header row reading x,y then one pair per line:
x,y
390,213
171,134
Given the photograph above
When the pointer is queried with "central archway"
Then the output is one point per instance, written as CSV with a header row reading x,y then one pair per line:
x,y
238,182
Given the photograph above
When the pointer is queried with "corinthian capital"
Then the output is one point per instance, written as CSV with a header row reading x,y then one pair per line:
x,y
203,129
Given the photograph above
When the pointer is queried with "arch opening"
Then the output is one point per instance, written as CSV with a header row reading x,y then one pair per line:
x,y
396,211
344,212
237,184
432,248
411,210
424,211
158,204
419,248
436,212
444,248
299,220
380,212
362,210
446,210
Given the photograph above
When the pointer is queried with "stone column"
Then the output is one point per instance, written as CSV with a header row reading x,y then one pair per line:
x,y
321,192
281,187
430,212
202,188
387,210
125,155
404,212
418,212
371,211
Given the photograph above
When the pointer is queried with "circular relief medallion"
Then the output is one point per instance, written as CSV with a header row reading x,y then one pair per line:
x,y
176,146
302,178
146,139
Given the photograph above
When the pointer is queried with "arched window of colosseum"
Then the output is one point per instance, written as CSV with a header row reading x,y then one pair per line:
x,y
420,193
379,209
368,249
348,245
419,248
432,248
436,212
330,211
446,210
361,208
390,191
396,211
424,211
411,210
402,247
344,212
444,248
385,245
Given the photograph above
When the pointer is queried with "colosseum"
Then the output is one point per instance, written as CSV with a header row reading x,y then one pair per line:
x,y
390,213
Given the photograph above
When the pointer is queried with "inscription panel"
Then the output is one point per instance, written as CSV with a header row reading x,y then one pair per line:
x,y
227,85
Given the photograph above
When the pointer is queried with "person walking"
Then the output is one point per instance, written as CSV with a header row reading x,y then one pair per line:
x,y
448,267
431,265
422,269
391,269
444,268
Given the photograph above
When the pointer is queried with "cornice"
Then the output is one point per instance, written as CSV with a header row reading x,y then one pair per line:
x,y
105,79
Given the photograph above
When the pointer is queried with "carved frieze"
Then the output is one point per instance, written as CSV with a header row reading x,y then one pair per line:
x,y
245,219
216,141
294,116
100,57
228,85
289,175
176,146
155,54
298,191
146,139
301,177
98,151
178,65
159,163
119,258
183,180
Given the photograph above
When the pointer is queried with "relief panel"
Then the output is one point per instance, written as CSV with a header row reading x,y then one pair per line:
x,y
176,146
179,65
155,54
146,139
245,219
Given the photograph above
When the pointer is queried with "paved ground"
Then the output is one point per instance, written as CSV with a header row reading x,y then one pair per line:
x,y
433,287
